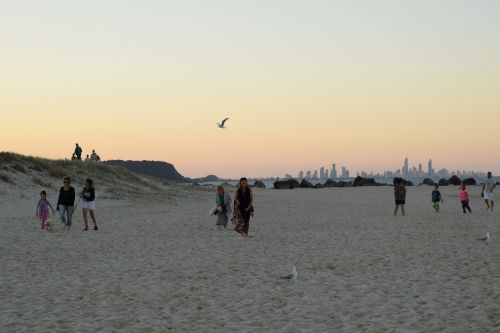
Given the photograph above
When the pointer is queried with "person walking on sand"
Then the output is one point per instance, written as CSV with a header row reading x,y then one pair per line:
x,y
78,152
487,191
65,203
223,202
243,202
42,209
88,206
436,198
400,197
464,199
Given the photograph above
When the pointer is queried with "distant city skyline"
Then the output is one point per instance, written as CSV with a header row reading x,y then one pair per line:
x,y
406,171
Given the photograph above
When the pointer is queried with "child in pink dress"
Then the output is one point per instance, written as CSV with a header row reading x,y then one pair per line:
x,y
42,209
464,199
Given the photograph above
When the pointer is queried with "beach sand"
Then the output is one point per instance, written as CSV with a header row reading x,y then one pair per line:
x,y
160,265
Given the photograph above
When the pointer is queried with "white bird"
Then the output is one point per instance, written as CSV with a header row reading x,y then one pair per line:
x,y
221,125
486,238
291,275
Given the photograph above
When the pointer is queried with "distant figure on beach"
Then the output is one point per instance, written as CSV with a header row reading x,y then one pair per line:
x,y
464,199
88,206
42,209
78,152
73,157
400,197
243,202
87,159
93,156
65,203
223,201
436,198
487,191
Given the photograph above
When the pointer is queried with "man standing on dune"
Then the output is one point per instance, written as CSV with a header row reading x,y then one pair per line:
x,y
487,191
78,152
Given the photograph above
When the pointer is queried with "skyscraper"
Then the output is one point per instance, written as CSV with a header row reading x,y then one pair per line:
x,y
308,174
301,174
333,174
406,170
326,174
322,173
429,171
315,174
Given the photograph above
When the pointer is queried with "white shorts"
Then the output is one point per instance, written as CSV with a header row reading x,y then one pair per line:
x,y
88,205
488,196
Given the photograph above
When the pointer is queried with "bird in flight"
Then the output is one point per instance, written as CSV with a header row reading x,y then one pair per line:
x,y
221,125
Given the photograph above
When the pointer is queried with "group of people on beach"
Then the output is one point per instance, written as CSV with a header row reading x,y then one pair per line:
x,y
487,189
66,205
77,155
241,207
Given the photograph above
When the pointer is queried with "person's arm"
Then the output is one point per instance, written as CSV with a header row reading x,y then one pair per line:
x,y
441,197
482,188
59,199
92,195
72,195
37,208
250,205
50,207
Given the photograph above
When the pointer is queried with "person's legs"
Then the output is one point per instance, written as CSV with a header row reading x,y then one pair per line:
x,y
467,206
487,202
69,216
62,213
403,209
492,203
464,204
396,210
86,218
437,208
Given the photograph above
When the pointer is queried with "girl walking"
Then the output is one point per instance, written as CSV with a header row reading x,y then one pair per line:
x,y
42,209
464,198
88,205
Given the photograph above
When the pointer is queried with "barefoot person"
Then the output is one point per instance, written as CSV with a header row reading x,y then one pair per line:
x,y
42,209
243,202
88,205
436,198
464,199
65,203
223,202
487,191
400,197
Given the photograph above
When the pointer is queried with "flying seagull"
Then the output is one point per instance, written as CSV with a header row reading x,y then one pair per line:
x,y
486,238
291,275
221,125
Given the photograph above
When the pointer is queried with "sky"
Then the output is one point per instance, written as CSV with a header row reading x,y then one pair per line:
x,y
305,83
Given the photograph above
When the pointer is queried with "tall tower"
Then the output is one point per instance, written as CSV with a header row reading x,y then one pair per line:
x,y
322,173
406,171
333,174
430,169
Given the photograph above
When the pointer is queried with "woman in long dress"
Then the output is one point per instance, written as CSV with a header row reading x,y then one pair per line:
x,y
243,202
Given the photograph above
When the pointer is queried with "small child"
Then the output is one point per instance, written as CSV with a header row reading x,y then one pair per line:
x,y
464,198
436,198
42,209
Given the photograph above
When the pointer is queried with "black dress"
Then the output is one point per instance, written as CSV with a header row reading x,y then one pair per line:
x,y
244,198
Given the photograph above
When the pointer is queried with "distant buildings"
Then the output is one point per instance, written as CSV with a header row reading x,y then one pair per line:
x,y
415,172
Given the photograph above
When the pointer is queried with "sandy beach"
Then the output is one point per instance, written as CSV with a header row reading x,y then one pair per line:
x,y
160,265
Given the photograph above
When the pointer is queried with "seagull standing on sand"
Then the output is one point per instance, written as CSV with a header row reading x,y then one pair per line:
x,y
291,275
221,125
486,238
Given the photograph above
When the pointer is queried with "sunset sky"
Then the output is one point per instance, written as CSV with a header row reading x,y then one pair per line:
x,y
305,83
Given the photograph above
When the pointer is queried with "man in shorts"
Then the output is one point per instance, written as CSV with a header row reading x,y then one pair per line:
x,y
487,191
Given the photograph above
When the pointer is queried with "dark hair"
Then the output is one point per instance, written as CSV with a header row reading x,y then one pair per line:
x,y
243,179
67,179
90,182
44,193
436,186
